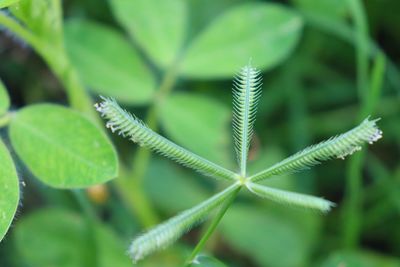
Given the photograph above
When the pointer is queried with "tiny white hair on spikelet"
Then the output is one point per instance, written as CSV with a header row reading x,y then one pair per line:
x,y
336,147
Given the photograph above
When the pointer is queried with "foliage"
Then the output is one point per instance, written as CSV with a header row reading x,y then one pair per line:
x,y
170,62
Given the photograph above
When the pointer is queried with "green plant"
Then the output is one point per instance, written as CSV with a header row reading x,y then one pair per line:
x,y
246,94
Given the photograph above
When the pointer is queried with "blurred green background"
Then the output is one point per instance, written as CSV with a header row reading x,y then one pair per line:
x,y
326,65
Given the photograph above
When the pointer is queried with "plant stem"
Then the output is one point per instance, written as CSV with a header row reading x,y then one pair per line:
x,y
360,22
56,58
85,204
353,199
132,194
210,230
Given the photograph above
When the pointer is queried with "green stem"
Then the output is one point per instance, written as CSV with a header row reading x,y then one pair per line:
x,y
85,204
210,230
362,44
56,58
353,198
132,194
91,221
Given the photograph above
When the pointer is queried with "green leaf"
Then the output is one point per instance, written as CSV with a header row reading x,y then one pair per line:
x,y
359,259
267,234
61,147
107,63
267,33
42,17
9,187
66,240
206,261
157,26
199,123
4,99
7,3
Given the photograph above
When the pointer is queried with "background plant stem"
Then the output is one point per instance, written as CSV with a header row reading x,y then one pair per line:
x,y
368,94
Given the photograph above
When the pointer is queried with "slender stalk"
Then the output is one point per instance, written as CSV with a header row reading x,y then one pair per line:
x,y
56,58
360,22
85,204
20,31
354,192
210,230
130,190
91,219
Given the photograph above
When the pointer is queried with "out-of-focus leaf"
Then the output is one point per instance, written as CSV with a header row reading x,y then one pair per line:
x,y
267,33
61,147
107,63
206,261
157,26
60,238
359,259
198,123
9,195
6,3
330,8
186,192
4,99
266,235
42,17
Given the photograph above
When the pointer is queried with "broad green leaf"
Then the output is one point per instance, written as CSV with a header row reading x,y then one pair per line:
x,y
200,124
51,237
4,99
9,195
157,26
107,63
267,33
206,261
267,234
174,179
61,147
42,17
360,259
7,3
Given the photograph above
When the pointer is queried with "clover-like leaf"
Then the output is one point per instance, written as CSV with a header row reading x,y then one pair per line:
x,y
265,32
61,147
107,63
